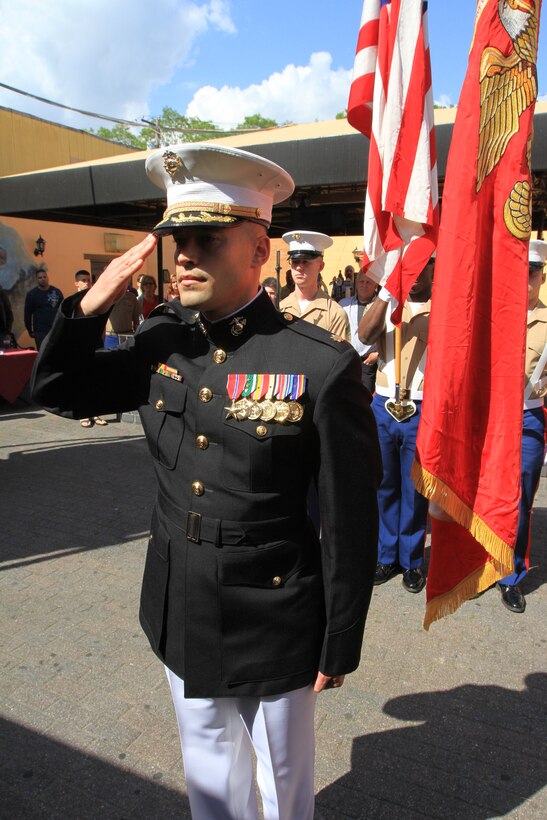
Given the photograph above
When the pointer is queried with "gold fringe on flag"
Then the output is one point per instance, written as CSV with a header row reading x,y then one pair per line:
x,y
479,581
498,565
436,490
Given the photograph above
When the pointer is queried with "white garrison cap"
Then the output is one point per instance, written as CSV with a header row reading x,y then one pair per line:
x,y
537,252
306,244
216,185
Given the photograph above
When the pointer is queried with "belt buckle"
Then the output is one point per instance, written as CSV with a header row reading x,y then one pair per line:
x,y
193,527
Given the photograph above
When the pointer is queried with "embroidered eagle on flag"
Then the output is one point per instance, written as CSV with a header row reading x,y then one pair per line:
x,y
508,84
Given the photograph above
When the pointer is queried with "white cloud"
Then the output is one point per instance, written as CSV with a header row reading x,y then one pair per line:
x,y
444,100
99,55
295,94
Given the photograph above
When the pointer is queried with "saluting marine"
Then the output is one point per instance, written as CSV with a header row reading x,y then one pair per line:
x,y
242,407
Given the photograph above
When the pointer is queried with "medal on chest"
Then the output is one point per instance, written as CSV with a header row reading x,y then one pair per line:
x,y
266,396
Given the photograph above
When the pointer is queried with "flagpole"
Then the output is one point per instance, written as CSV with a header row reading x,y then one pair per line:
x,y
398,349
277,272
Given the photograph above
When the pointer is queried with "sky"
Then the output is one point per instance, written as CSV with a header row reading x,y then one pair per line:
x,y
219,60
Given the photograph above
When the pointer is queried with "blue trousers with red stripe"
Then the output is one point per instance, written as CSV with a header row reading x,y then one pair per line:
x,y
403,511
533,450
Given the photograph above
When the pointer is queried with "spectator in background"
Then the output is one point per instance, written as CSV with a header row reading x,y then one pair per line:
x,y
337,288
321,285
149,300
270,286
366,290
82,280
6,317
347,286
41,305
172,291
288,287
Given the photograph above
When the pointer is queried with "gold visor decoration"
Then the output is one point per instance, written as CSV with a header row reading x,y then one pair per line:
x,y
192,217
221,208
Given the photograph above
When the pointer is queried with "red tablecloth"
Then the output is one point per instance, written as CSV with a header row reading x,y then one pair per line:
x,y
15,370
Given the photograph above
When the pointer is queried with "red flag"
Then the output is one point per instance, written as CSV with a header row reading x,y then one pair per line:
x,y
391,103
468,447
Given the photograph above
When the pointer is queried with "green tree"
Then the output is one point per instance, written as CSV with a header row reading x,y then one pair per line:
x,y
169,128
342,115
121,134
173,127
256,121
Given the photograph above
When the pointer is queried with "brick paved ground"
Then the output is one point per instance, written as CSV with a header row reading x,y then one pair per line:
x,y
449,723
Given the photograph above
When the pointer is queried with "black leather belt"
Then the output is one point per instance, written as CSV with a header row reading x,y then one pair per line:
x,y
220,531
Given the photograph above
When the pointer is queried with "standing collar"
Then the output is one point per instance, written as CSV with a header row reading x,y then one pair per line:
x,y
234,330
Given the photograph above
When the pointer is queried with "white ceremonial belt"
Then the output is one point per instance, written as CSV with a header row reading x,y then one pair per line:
x,y
532,404
412,395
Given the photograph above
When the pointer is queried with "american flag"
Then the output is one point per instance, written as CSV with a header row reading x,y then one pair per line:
x,y
391,103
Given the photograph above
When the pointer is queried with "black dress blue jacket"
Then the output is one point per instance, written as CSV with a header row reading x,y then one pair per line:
x,y
239,595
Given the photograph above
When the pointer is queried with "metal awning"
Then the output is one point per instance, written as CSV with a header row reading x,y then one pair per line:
x,y
329,172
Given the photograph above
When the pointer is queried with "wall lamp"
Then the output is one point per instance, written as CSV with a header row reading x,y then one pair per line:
x,y
40,246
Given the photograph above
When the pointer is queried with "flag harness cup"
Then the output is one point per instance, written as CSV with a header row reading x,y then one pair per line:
x,y
398,408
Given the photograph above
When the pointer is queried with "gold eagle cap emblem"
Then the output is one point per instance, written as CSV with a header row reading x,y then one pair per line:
x,y
171,162
508,84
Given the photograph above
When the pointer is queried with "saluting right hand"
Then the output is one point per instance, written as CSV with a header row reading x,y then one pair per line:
x,y
112,283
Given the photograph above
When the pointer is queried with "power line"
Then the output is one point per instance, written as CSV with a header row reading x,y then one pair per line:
x,y
154,125
69,108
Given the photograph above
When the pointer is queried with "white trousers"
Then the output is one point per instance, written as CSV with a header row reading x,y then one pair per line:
x,y
218,736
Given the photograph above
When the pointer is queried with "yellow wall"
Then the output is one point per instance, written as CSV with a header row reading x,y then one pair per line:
x,y
29,144
65,253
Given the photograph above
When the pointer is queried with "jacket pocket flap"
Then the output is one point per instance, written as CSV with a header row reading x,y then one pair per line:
x,y
269,567
261,430
167,395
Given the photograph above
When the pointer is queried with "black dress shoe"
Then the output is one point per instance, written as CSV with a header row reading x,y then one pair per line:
x,y
413,580
512,597
384,572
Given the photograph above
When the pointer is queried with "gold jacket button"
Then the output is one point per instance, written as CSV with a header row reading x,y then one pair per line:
x,y
197,488
205,394
219,356
276,580
288,316
261,430
159,404
202,442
